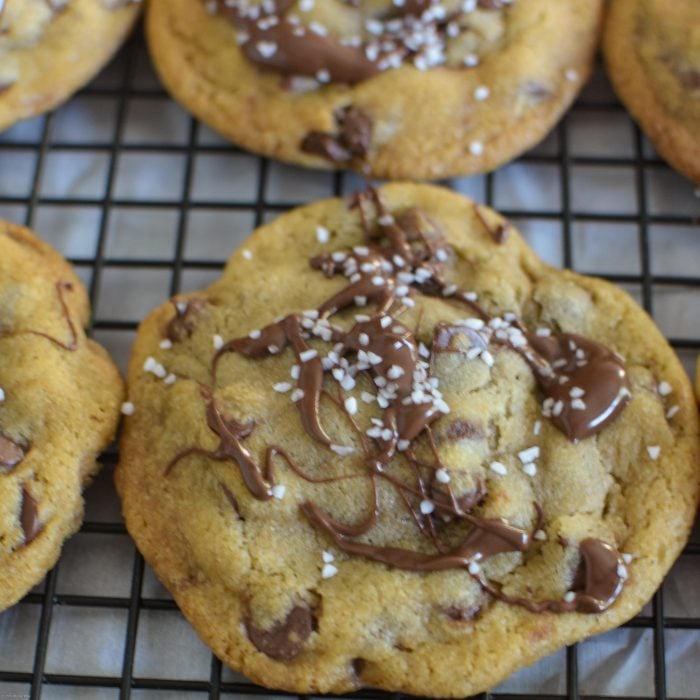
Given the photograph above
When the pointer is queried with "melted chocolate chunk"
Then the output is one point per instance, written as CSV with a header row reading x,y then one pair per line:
x,y
29,517
182,325
599,583
11,454
351,140
586,384
285,640
358,665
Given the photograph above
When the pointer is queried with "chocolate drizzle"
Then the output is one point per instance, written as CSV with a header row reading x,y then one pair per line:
x,y
72,345
584,383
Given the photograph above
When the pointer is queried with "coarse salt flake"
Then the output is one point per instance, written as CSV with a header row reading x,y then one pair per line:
x,y
427,507
498,468
328,571
278,491
442,476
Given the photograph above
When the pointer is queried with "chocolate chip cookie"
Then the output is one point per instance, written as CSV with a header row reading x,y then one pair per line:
x,y
51,48
652,51
59,405
391,443
417,90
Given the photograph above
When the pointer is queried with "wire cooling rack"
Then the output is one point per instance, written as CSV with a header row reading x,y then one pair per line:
x,y
147,202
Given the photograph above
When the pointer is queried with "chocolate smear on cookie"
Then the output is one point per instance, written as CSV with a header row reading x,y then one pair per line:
x,y
413,32
285,640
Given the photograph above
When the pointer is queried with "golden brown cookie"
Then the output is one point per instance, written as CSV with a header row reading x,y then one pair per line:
x,y
652,50
392,448
59,406
414,90
50,48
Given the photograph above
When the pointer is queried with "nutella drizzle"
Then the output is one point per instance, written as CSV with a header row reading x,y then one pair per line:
x,y
585,387
415,32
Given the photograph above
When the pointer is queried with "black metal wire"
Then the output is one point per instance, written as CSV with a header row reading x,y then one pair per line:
x,y
136,603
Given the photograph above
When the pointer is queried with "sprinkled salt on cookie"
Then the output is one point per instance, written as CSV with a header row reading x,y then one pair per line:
x,y
456,492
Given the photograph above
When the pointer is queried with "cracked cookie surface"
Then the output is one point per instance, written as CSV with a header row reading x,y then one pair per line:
x,y
652,51
462,93
59,407
49,50
421,477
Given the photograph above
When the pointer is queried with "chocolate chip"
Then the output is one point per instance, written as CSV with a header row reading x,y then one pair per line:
x,y
351,140
690,79
457,613
358,665
29,517
536,92
285,640
355,130
493,4
462,428
319,143
11,454
182,325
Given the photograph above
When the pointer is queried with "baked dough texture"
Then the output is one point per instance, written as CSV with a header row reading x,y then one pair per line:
x,y
652,51
60,407
509,73
49,50
288,602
